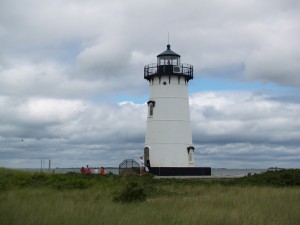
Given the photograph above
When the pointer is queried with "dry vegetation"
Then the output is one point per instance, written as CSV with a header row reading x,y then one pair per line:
x,y
44,199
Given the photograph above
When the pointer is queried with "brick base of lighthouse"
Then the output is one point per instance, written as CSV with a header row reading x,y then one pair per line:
x,y
181,171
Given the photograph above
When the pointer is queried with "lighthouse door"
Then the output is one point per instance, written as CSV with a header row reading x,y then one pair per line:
x,y
146,154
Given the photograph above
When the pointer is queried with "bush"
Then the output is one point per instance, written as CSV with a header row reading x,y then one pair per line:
x,y
69,181
20,179
131,193
3,185
68,184
280,178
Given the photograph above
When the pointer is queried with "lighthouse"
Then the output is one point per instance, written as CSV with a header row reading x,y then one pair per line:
x,y
168,141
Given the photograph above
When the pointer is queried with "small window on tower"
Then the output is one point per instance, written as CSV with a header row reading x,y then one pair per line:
x,y
151,109
151,105
191,156
190,150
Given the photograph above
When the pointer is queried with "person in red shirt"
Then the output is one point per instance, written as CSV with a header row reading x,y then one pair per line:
x,y
82,171
89,171
102,170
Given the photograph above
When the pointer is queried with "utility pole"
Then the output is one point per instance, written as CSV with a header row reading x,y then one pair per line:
x,y
49,165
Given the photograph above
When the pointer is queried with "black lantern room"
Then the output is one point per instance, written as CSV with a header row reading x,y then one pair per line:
x,y
168,63
168,57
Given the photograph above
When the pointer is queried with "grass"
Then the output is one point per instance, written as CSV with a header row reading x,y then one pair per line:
x,y
44,199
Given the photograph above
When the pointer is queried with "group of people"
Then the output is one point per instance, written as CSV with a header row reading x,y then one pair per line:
x,y
89,170
143,167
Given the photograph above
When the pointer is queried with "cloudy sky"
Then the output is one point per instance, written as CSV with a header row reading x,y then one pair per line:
x,y
72,87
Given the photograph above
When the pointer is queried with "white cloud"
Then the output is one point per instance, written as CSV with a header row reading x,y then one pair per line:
x,y
102,37
62,63
247,155
224,117
239,127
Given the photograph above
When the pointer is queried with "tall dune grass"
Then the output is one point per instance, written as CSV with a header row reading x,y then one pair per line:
x,y
168,202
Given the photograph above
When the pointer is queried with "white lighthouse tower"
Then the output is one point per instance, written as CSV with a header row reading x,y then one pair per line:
x,y
168,142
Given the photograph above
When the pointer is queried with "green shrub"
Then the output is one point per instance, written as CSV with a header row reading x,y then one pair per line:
x,y
72,184
15,178
69,181
3,185
132,192
280,178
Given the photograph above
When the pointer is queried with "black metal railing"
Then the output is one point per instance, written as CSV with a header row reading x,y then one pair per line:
x,y
154,69
129,165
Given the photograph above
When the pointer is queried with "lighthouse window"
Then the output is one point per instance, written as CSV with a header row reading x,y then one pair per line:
x,y
191,156
175,62
151,110
190,151
151,105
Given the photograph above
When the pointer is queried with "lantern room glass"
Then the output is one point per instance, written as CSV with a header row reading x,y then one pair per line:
x,y
168,60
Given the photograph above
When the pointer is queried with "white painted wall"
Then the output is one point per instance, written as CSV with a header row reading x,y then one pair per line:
x,y
169,129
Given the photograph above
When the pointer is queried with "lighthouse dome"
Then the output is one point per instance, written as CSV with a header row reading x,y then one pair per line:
x,y
168,52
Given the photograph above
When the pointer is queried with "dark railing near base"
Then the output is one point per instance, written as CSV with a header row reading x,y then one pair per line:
x,y
129,166
181,171
185,70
